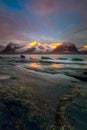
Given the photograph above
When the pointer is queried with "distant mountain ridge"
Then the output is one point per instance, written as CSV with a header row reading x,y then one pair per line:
x,y
64,48
83,50
11,48
2,47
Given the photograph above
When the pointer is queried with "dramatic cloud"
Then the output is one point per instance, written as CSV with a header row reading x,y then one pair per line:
x,y
44,20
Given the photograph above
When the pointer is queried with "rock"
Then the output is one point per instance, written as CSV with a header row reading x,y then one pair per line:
x,y
82,78
44,57
85,72
22,56
77,59
62,58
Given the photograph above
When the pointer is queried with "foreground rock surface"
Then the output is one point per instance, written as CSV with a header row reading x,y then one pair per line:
x,y
35,101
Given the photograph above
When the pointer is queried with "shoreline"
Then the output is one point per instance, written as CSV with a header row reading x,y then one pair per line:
x,y
31,97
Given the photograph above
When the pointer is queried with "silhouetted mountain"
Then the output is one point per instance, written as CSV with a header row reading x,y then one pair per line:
x,y
83,52
29,50
11,47
2,48
66,47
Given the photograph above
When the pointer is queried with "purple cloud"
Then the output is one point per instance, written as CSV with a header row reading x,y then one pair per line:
x,y
51,19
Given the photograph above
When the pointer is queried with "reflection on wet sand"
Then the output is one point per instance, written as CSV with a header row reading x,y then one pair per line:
x,y
56,66
39,66
34,65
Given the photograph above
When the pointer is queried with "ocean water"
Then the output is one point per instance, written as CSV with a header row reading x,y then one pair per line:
x,y
55,60
60,61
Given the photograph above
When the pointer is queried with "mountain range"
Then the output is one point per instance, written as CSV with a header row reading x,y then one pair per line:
x,y
38,48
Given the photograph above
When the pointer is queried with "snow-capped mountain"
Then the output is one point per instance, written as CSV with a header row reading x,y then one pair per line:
x,y
36,47
66,47
2,48
83,50
11,48
41,48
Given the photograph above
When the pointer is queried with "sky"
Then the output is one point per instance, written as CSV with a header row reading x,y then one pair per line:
x,y
23,21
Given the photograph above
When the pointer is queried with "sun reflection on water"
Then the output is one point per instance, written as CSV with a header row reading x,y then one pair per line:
x,y
56,65
39,66
34,65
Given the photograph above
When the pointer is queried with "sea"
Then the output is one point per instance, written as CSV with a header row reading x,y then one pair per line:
x,y
57,60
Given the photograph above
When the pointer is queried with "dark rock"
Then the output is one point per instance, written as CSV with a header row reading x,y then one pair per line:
x,y
85,72
82,78
77,59
62,58
44,57
13,78
22,56
1,57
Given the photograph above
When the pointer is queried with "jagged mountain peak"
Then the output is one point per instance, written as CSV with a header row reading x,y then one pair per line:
x,y
36,47
66,47
2,47
11,47
67,43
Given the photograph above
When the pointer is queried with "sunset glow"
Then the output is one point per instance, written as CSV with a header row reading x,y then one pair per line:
x,y
53,45
46,45
34,65
41,46
34,43
56,65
